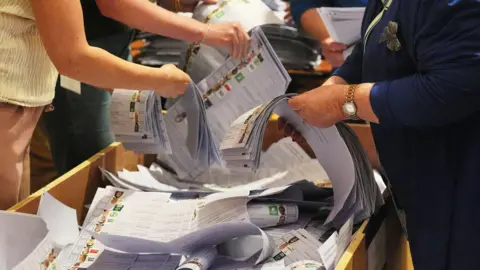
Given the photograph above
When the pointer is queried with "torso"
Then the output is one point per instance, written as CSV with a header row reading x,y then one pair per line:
x,y
434,172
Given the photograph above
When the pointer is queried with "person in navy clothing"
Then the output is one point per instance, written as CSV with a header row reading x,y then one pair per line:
x,y
305,15
415,77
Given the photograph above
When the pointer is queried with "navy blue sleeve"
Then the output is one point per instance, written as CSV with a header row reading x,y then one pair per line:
x,y
298,7
351,70
446,87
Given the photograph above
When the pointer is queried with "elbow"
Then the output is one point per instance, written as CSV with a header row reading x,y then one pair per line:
x,y
70,62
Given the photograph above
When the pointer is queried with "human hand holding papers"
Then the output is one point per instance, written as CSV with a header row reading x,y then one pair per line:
x,y
199,62
343,25
235,87
336,148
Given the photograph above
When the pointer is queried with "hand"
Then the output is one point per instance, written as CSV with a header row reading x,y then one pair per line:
x,y
288,15
333,52
231,36
321,107
175,81
191,7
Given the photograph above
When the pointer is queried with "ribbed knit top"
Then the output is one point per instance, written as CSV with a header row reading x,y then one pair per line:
x,y
27,76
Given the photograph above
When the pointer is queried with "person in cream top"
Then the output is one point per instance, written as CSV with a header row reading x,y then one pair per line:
x,y
39,38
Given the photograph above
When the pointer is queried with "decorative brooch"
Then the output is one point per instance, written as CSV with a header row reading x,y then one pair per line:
x,y
389,35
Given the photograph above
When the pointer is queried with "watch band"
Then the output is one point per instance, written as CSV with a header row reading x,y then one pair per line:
x,y
350,98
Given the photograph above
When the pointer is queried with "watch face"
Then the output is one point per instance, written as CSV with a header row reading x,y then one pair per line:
x,y
349,108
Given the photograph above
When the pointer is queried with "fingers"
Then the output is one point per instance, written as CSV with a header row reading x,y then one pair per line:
x,y
236,42
246,45
240,40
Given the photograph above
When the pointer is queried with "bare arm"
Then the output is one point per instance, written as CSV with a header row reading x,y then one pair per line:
x,y
334,80
313,24
152,18
60,23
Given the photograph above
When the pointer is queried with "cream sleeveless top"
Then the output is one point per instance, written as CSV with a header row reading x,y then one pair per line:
x,y
27,76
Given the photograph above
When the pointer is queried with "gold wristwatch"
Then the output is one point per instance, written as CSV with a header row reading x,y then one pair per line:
x,y
349,106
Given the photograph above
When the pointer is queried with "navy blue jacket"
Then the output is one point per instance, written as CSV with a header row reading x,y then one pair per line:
x,y
427,98
298,7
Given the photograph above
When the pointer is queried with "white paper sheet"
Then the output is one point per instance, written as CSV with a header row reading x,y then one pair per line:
x,y
61,220
20,245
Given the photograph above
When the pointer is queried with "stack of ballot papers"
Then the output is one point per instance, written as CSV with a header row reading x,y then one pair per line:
x,y
199,62
343,25
136,120
235,87
337,149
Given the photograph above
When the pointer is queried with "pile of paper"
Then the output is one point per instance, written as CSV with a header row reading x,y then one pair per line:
x,y
200,62
336,149
222,230
343,25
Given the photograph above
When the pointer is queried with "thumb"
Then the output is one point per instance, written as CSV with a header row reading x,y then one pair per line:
x,y
295,103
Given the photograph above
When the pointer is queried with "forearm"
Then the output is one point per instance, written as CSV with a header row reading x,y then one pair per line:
x,y
152,18
362,102
313,24
334,80
97,67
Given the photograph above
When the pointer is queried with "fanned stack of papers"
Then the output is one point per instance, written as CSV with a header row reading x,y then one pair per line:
x,y
137,121
200,62
235,87
337,150
343,25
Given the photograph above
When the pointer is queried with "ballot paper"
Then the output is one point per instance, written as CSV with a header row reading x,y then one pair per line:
x,y
194,148
284,154
42,257
199,62
238,86
332,250
61,221
343,25
336,148
267,215
305,265
42,238
296,246
17,246
200,259
137,121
